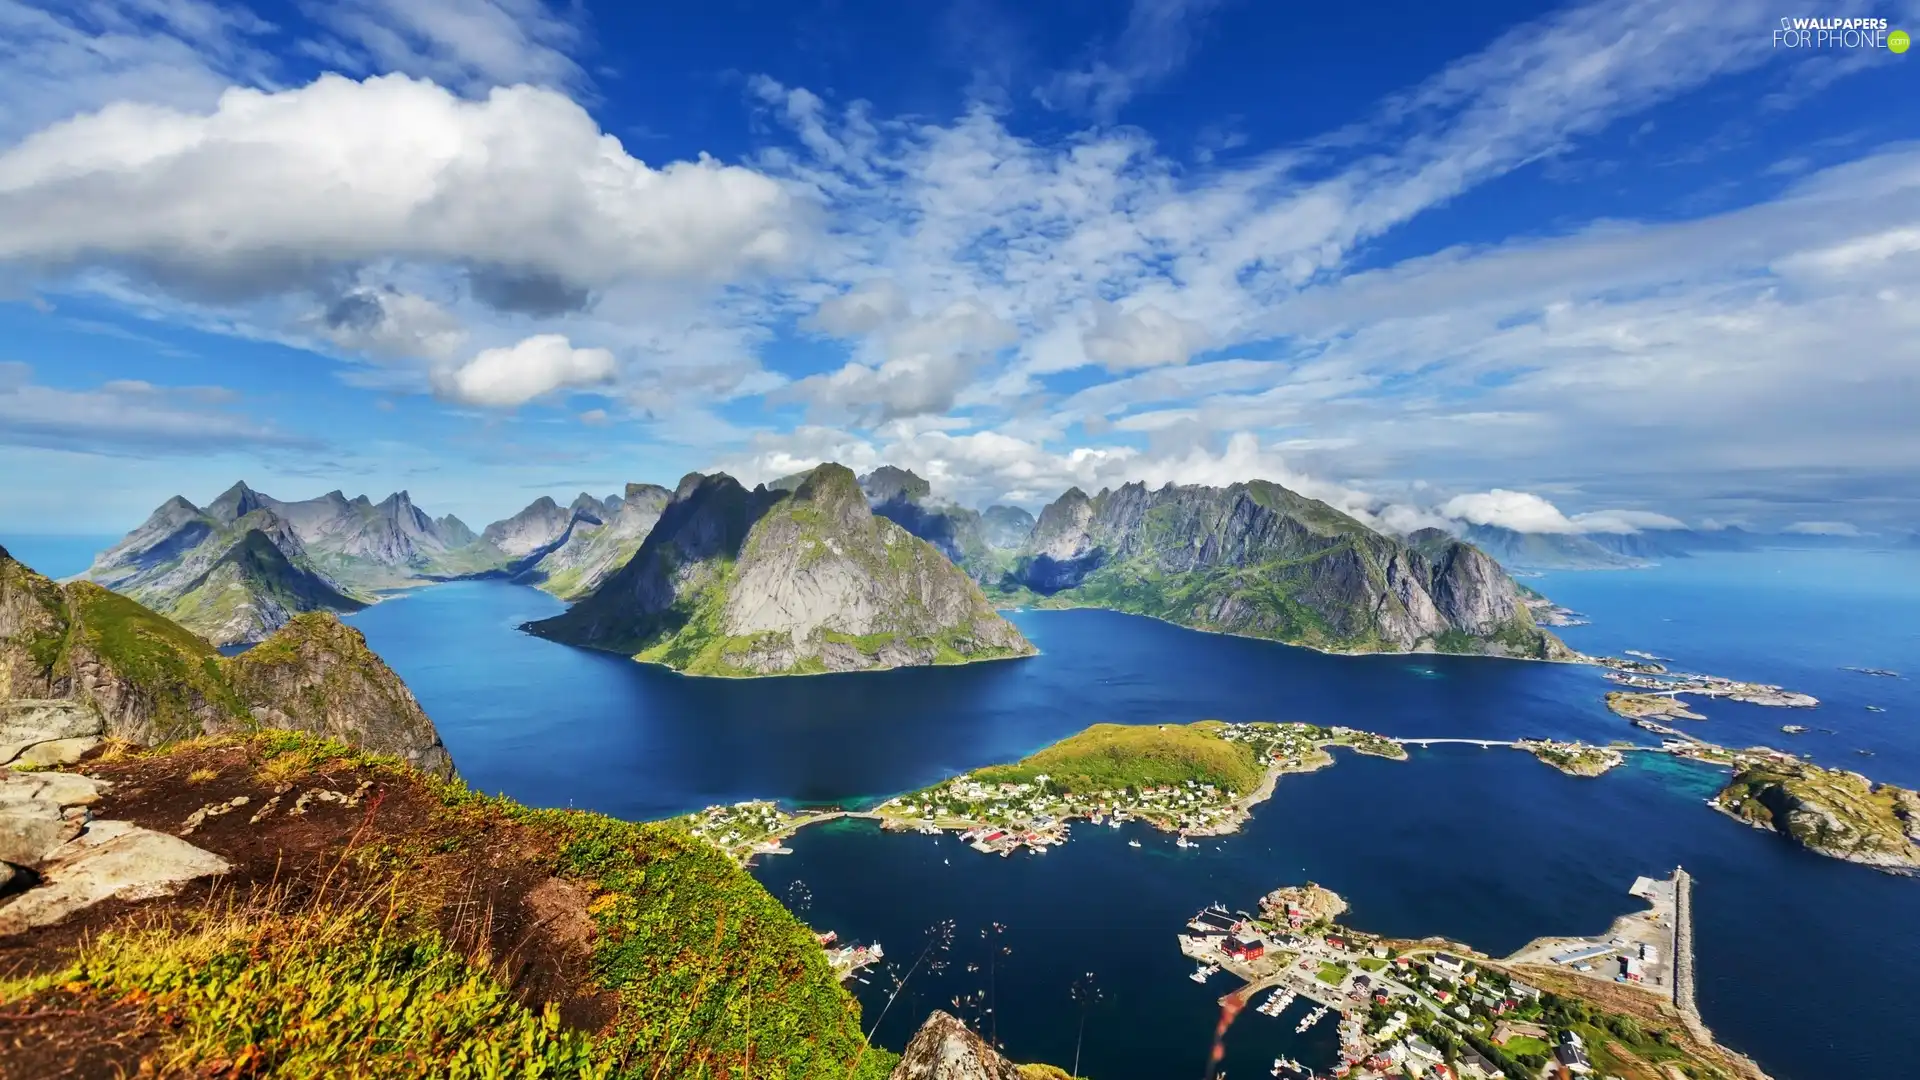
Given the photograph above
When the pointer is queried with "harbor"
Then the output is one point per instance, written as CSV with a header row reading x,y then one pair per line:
x,y
1431,1007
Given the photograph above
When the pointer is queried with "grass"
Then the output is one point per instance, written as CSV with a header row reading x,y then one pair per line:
x,y
349,991
1372,963
1107,757
1331,972
180,672
1526,1044
708,969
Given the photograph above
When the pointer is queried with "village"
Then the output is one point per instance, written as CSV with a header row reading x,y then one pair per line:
x,y
1426,1009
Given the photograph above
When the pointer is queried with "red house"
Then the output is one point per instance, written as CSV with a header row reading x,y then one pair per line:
x,y
1244,948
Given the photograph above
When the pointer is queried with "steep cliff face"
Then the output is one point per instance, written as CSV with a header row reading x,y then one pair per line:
x,y
594,547
540,525
317,675
732,582
1258,559
1006,527
146,679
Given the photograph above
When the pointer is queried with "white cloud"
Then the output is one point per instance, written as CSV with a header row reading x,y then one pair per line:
x,y
471,45
276,190
1153,46
1523,511
517,374
909,365
1823,528
390,324
1145,336
126,416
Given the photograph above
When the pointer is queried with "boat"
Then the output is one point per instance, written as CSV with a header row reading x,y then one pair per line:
x,y
1181,842
1875,708
1039,849
1311,1019
1133,843
1203,972
1114,824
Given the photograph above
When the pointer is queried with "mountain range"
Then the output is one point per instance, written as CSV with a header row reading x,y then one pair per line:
x,y
785,581
1260,560
244,565
825,571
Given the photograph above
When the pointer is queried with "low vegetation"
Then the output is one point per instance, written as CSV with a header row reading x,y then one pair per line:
x,y
436,931
1830,811
1109,757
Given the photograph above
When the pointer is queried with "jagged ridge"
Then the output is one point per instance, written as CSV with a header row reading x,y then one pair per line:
x,y
1258,559
737,582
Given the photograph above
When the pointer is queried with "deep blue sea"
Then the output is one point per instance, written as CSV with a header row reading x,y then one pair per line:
x,y
1805,963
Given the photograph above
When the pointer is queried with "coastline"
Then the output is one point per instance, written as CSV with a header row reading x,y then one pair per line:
x,y
524,628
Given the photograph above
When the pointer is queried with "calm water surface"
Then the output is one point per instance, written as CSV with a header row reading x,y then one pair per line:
x,y
1805,963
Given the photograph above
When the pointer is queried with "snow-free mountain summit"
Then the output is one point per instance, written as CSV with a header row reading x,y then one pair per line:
x,y
766,582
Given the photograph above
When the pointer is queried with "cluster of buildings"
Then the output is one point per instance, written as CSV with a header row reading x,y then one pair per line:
x,y
742,829
1006,816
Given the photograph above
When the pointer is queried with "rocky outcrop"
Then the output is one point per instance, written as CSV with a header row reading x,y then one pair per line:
x,y
79,663
600,540
317,675
1258,559
1831,812
733,582
47,836
946,1049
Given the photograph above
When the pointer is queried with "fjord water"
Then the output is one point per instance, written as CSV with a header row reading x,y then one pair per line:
x,y
1805,963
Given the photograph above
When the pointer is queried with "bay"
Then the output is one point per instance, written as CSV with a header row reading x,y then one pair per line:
x,y
1803,961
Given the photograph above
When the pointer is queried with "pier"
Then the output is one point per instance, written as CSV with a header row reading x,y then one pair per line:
x,y
1683,997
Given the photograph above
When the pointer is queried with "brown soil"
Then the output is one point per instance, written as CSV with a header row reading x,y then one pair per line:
x,y
490,882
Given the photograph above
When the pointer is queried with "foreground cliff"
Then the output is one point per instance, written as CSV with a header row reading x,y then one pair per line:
x,y
1831,812
1260,560
763,582
79,664
282,905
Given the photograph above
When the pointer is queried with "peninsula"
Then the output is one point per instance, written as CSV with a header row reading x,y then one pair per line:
x,y
1421,1006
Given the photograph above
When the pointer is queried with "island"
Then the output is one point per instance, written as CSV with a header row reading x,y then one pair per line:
x,y
1618,1007
1646,706
1831,812
1575,758
1203,780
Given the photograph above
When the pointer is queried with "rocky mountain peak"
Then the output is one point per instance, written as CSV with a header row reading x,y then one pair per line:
x,y
946,1049
236,502
888,482
636,492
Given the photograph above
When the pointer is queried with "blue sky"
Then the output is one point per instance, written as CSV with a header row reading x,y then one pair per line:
x,y
1594,267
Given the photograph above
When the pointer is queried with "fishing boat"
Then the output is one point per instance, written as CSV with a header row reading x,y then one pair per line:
x,y
1310,1019
1181,842
1203,972
1133,843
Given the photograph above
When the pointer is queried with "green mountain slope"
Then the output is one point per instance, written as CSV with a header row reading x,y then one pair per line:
x,y
737,582
1260,560
145,678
